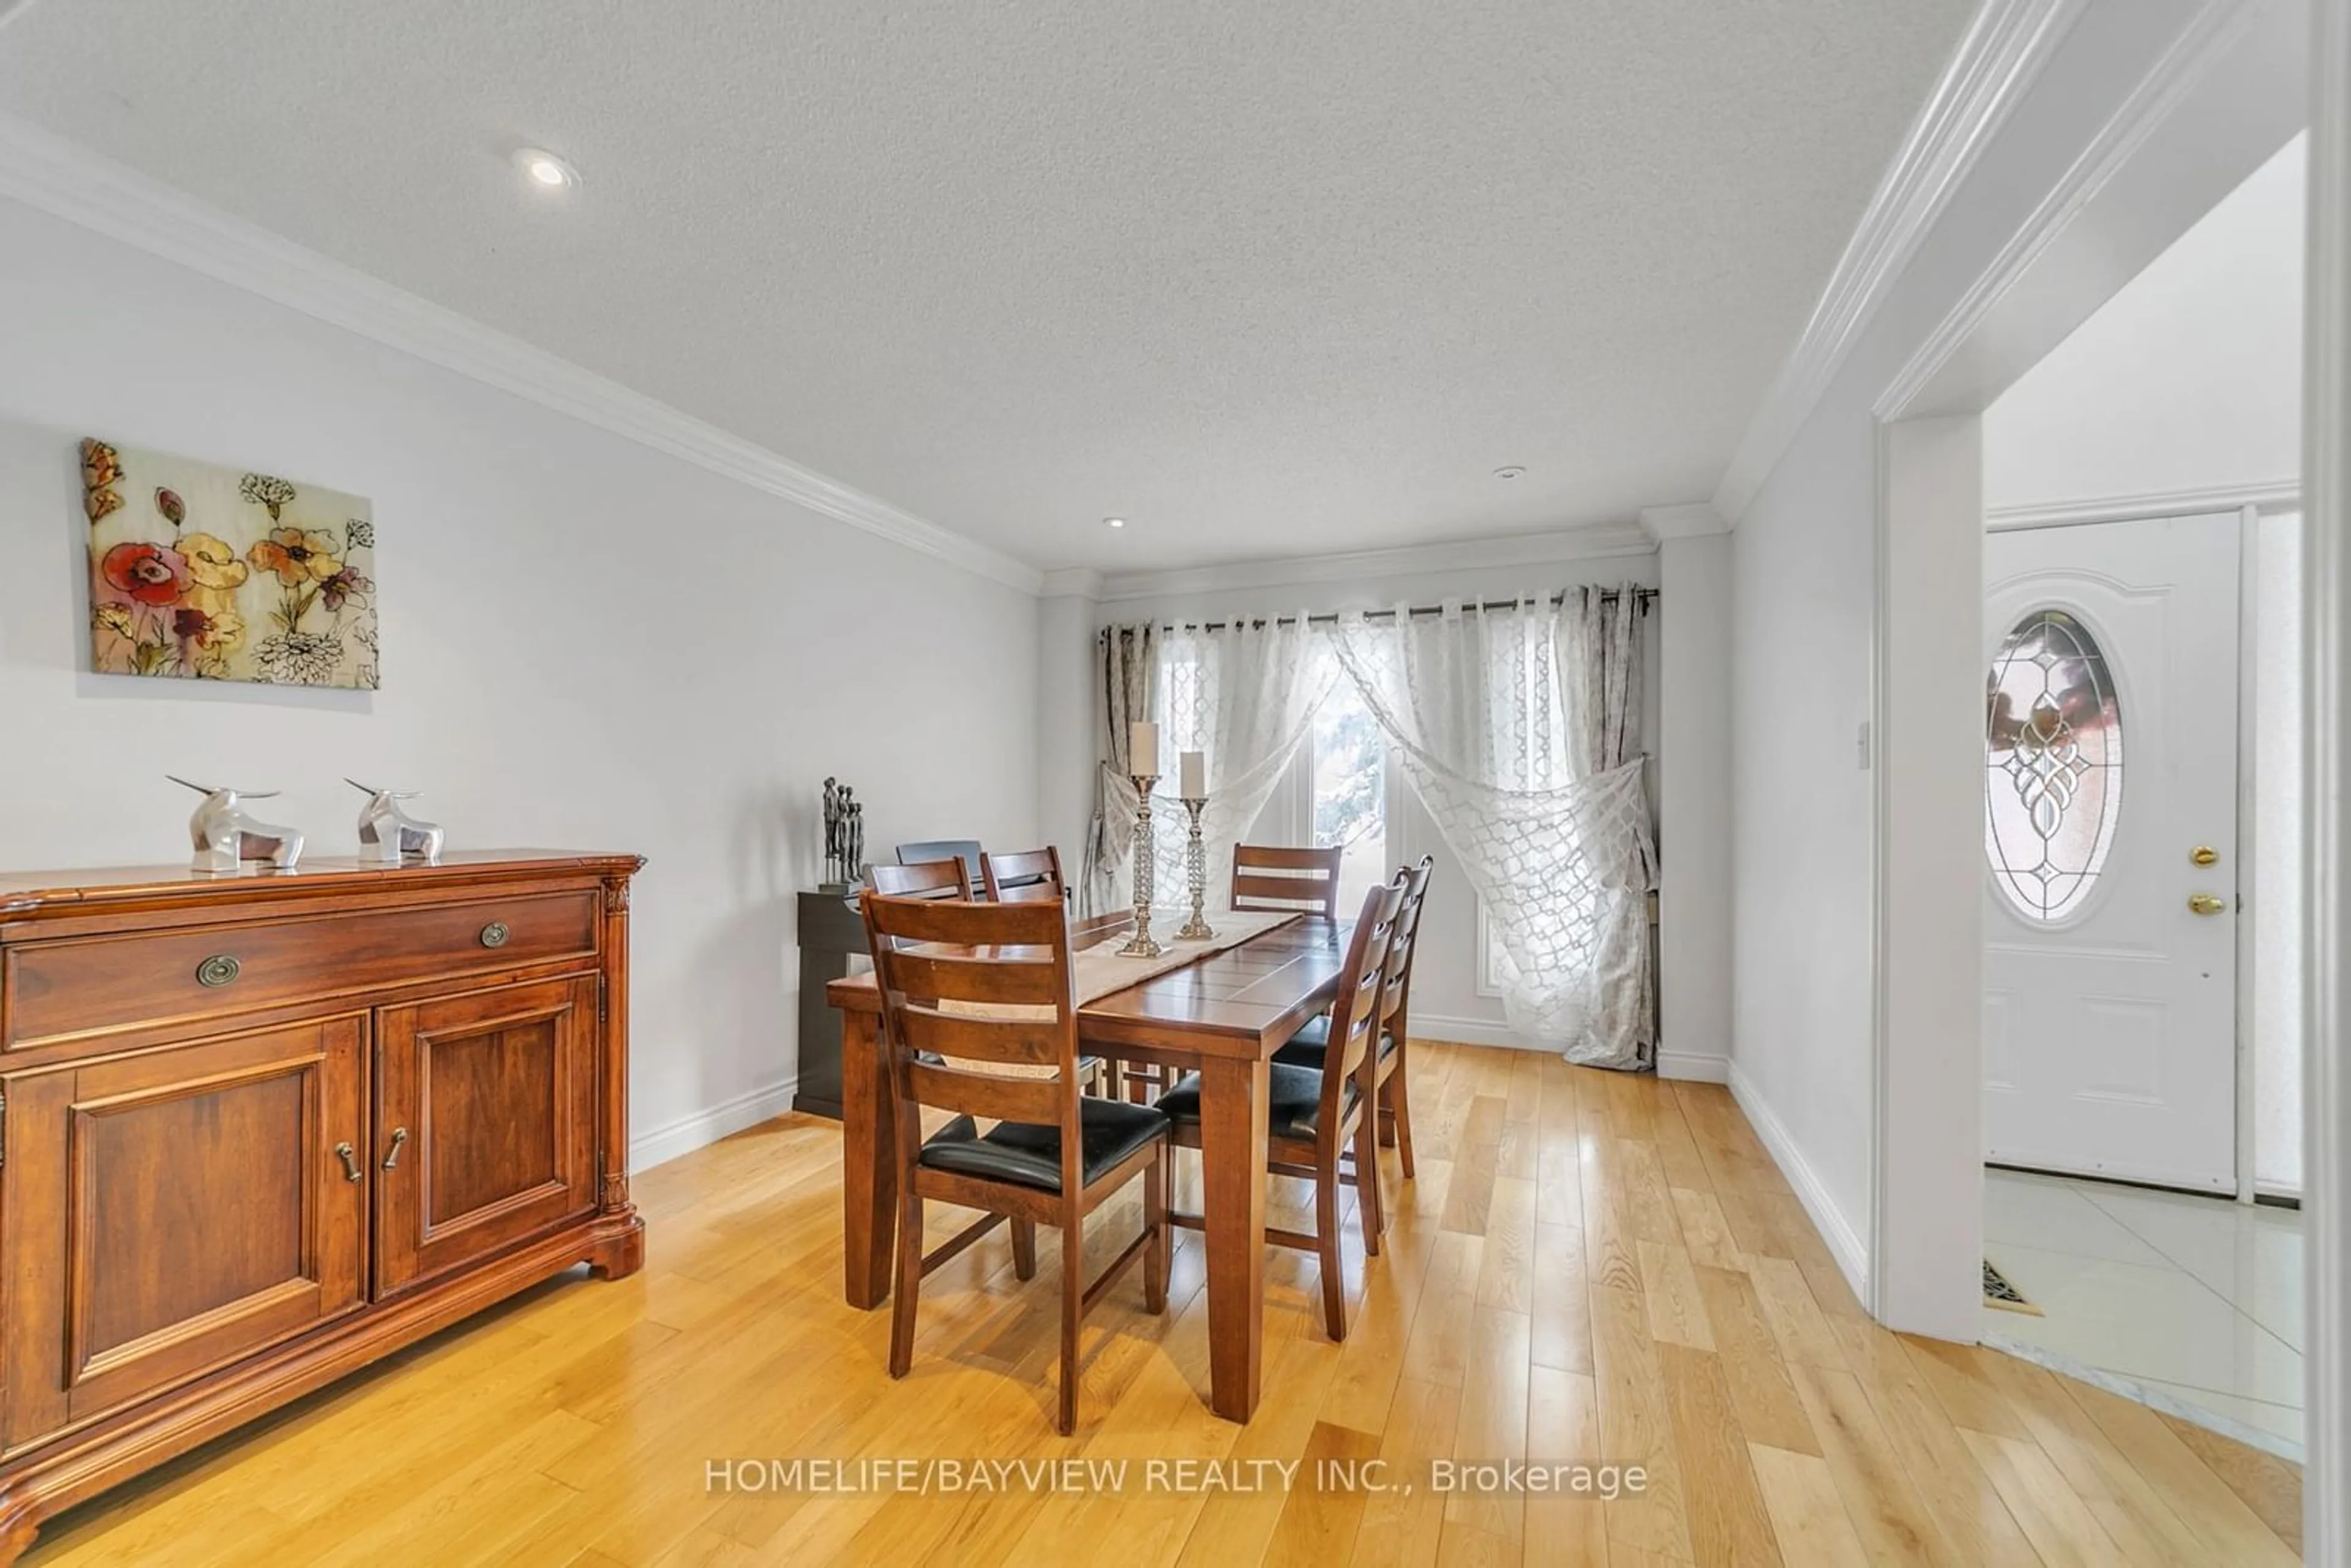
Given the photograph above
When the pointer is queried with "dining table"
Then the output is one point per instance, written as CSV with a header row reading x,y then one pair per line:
x,y
1223,1016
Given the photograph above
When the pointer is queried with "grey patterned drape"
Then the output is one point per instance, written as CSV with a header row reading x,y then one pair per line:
x,y
1600,678
1129,690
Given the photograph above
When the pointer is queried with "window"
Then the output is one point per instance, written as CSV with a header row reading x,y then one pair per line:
x,y
1347,776
2053,766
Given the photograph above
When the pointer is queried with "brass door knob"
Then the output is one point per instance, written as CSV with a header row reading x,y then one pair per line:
x,y
2203,854
2207,903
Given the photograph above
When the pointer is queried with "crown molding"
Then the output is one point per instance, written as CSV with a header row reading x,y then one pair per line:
x,y
1695,520
70,182
2214,30
2270,496
2002,52
1518,549
1072,582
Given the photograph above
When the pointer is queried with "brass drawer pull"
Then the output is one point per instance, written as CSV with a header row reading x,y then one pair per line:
x,y
218,970
399,1136
350,1161
495,933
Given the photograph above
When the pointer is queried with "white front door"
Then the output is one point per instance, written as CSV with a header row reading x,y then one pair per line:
x,y
2110,834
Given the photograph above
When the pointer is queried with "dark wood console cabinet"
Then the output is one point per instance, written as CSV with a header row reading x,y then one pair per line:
x,y
260,1130
833,943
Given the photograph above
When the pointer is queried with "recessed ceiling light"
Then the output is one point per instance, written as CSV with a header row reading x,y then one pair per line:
x,y
1513,471
1116,522
546,170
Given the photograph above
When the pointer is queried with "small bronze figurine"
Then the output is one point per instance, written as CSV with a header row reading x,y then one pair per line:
x,y
844,837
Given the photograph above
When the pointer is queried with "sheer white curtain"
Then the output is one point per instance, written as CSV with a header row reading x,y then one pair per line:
x,y
1513,725
1244,692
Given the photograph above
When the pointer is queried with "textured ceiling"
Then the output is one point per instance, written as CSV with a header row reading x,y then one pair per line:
x,y
1267,279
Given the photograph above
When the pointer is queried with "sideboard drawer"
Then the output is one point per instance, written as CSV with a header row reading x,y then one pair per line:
x,y
83,986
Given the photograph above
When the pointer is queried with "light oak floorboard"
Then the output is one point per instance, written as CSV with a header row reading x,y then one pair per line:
x,y
1591,1267
1806,1512
2269,1486
1761,1390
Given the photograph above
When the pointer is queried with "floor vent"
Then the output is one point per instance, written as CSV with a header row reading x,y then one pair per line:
x,y
1998,1292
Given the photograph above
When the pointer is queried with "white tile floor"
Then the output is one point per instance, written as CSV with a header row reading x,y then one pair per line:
x,y
2199,1298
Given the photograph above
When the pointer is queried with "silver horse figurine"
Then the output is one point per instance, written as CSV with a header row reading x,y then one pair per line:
x,y
227,837
389,835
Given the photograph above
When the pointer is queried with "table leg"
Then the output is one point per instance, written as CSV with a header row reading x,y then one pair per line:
x,y
869,1185
1232,1161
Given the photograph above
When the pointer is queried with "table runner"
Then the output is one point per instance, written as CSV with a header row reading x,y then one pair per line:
x,y
1097,971
1101,970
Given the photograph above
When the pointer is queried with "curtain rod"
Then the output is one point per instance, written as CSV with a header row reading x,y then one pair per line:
x,y
1642,598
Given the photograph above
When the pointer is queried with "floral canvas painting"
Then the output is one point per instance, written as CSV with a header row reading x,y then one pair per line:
x,y
200,572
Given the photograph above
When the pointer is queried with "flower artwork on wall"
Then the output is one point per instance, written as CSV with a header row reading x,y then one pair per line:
x,y
200,572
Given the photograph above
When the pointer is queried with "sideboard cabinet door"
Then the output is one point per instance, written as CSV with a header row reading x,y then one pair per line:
x,y
486,1124
169,1213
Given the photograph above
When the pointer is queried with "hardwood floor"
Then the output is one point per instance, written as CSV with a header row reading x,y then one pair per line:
x,y
1591,1267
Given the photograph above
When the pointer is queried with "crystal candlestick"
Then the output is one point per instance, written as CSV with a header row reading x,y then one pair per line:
x,y
1140,944
1196,872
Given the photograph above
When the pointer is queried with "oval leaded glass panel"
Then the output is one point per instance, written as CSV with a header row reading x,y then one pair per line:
x,y
2053,764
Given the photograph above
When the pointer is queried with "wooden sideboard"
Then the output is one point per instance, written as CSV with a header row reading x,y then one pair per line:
x,y
259,1130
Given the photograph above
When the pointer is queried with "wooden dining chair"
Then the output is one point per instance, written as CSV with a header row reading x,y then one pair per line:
x,y
1022,878
1390,1075
1313,1115
965,851
1273,876
943,879
949,973
934,878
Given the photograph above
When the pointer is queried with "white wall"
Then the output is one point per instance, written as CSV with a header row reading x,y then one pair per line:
x,y
1804,590
1693,751
1066,709
1446,1003
2188,380
585,644
1930,764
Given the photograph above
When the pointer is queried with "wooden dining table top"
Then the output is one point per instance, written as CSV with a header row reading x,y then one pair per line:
x,y
1246,1000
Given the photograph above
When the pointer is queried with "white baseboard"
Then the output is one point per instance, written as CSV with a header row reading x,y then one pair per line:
x,y
1844,1242
665,1142
1694,1066
1477,1031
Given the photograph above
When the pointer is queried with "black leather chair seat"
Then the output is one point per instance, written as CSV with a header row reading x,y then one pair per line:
x,y
1293,1095
1031,1153
1306,1047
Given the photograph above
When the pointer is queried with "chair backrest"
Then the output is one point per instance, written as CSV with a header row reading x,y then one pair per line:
x,y
1398,978
1025,877
1355,1012
968,986
966,851
1270,877
937,879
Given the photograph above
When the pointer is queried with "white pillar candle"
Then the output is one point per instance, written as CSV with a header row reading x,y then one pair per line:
x,y
1194,766
1143,750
